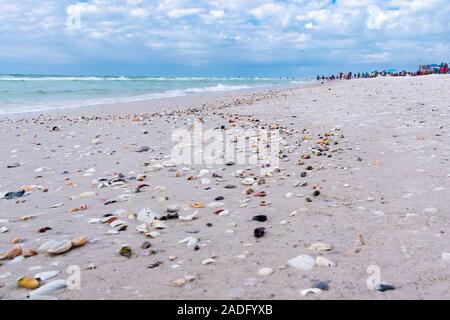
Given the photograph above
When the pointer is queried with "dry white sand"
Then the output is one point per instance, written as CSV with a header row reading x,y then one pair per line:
x,y
384,195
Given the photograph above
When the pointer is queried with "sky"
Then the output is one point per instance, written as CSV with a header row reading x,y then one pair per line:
x,y
220,37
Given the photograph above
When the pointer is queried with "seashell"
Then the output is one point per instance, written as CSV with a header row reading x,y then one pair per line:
x,y
146,215
29,252
94,220
126,251
47,245
302,262
11,253
197,205
248,181
28,283
305,292
80,241
320,246
173,208
87,194
324,262
44,276
265,272
215,204
222,213
28,217
3,229
48,288
208,261
185,240
192,242
153,234
188,217
157,224
142,228
117,223
60,247
179,282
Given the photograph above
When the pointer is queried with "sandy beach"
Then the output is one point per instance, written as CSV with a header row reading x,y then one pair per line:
x,y
375,195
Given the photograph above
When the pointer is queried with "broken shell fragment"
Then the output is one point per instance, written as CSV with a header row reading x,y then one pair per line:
x,y
320,246
188,217
265,272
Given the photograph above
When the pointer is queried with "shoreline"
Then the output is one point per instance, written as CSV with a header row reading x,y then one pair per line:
x,y
157,104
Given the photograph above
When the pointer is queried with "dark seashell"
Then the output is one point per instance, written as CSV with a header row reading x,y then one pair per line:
x,y
260,218
259,232
382,287
322,285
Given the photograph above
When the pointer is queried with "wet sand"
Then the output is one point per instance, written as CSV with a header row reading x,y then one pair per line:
x,y
383,178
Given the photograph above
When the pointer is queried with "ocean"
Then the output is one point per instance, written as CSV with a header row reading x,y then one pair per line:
x,y
26,93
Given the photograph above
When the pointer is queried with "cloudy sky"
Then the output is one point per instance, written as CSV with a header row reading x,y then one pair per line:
x,y
220,37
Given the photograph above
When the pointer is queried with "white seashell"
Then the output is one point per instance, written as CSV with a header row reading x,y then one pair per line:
x,y
48,288
94,220
302,262
159,224
188,217
185,240
215,204
173,208
208,261
305,292
44,276
47,245
112,232
142,228
324,262
248,181
88,194
117,223
223,213
320,246
265,272
146,215
60,247
192,242
289,195
3,229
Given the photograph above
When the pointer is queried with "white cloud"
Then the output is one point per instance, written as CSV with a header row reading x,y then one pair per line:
x,y
180,13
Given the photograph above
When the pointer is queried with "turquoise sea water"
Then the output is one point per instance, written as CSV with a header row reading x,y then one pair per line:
x,y
25,93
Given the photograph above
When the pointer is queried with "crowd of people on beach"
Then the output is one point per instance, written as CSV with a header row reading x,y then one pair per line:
x,y
443,68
